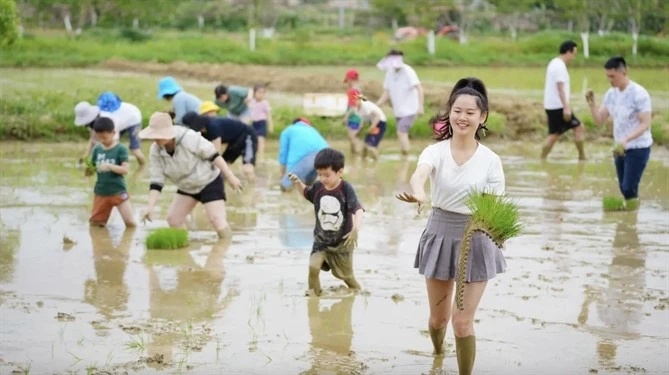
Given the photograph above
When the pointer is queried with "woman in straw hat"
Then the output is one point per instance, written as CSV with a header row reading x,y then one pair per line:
x,y
193,165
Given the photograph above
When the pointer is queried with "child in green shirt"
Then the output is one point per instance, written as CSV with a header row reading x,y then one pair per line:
x,y
110,159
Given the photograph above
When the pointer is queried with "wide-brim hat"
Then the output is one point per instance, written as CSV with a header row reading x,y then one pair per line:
x,y
168,86
85,113
208,107
160,127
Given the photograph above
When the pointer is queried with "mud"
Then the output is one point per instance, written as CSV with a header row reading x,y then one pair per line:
x,y
523,115
584,292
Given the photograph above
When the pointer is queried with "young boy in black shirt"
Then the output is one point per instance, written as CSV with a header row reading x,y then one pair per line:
x,y
338,219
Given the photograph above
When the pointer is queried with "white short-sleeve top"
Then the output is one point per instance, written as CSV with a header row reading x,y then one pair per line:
x,y
450,184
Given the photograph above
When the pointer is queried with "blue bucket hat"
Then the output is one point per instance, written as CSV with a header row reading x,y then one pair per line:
x,y
168,86
109,102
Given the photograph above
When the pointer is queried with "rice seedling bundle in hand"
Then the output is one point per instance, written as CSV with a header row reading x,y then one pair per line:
x,y
90,167
167,239
618,150
498,217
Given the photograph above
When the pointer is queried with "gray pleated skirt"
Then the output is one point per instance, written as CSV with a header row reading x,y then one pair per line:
x,y
439,248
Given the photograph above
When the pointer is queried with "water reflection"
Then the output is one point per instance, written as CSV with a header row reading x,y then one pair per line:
x,y
108,292
331,330
296,230
184,296
9,243
619,304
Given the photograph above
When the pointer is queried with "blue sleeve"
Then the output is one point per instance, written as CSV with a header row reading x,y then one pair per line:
x,y
284,143
179,110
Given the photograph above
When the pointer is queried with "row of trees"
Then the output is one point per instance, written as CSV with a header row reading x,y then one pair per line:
x,y
513,16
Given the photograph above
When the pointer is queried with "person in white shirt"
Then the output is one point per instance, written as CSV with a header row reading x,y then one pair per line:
x,y
127,120
374,115
456,165
629,105
556,102
402,87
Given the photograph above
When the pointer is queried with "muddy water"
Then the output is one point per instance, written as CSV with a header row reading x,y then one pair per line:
x,y
584,291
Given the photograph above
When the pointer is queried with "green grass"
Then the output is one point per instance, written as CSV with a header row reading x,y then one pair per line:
x,y
303,47
499,215
167,239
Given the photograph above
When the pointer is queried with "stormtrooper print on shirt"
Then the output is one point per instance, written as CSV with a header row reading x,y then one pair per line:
x,y
334,210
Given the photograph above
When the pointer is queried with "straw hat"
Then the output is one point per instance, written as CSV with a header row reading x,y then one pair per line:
x,y
208,107
160,127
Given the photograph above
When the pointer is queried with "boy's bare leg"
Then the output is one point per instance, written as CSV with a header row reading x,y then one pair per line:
x,y
315,262
125,209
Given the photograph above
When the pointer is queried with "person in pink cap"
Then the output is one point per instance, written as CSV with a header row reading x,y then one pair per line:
x,y
402,86
194,166
352,118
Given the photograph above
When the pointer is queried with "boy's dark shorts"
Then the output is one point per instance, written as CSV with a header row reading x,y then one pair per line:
x,y
103,205
373,140
246,146
214,191
557,124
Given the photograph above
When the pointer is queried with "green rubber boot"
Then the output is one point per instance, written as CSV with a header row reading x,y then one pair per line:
x,y
437,336
465,348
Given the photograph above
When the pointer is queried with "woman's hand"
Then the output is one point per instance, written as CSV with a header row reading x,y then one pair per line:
x,y
234,183
147,215
413,198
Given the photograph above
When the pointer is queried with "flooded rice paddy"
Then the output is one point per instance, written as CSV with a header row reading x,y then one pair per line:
x,y
585,291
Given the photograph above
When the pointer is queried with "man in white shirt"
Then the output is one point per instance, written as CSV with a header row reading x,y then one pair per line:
x,y
629,105
402,87
556,102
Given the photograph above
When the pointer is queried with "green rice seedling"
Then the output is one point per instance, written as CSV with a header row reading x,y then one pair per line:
x,y
498,217
618,150
632,204
613,204
167,239
90,167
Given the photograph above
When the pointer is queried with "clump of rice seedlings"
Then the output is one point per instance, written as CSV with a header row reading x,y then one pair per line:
x,y
90,167
618,150
167,239
498,217
613,204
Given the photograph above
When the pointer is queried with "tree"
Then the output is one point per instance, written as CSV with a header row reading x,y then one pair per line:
x,y
8,22
513,9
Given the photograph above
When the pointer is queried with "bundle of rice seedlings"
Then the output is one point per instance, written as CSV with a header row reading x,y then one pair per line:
x,y
90,167
498,217
167,239
619,204
613,204
618,150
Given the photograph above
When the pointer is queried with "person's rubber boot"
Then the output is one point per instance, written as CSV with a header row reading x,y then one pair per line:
x,y
437,336
580,146
545,150
465,349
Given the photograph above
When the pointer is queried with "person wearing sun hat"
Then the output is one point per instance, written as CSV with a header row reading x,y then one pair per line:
x,y
403,88
182,101
352,118
192,163
209,109
127,119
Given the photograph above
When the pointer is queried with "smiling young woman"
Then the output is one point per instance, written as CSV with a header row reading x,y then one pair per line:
x,y
457,165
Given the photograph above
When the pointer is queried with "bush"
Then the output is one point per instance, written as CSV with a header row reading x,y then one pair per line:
x,y
8,23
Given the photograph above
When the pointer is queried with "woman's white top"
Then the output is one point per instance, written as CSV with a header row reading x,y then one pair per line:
x,y
450,184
